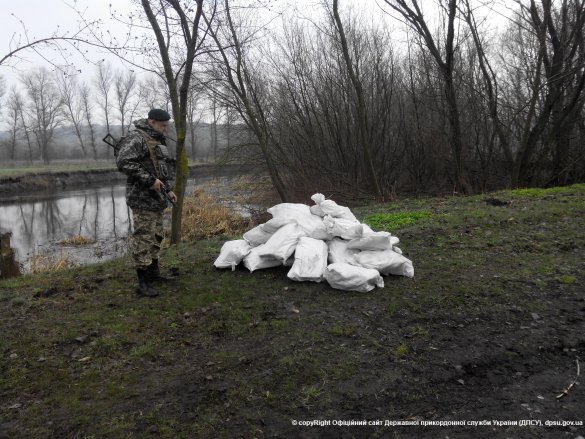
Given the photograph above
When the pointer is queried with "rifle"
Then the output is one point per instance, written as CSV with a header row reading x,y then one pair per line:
x,y
110,140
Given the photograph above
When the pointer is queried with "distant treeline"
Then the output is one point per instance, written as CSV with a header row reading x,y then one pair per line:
x,y
48,116
209,145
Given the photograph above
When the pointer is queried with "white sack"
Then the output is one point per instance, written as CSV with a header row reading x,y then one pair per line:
x,y
314,227
310,260
386,262
289,210
338,251
373,241
312,224
316,209
274,224
351,278
367,231
253,261
329,207
232,253
342,228
257,236
283,243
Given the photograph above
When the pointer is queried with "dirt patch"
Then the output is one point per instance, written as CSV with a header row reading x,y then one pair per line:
x,y
490,330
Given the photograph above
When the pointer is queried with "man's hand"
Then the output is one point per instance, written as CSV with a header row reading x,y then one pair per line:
x,y
156,186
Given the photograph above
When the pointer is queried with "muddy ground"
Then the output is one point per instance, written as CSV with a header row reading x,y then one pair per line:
x,y
492,328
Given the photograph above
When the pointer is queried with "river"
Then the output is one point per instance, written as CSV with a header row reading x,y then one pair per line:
x,y
42,223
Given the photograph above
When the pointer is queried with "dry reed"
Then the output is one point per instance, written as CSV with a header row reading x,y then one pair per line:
x,y
204,217
77,240
40,263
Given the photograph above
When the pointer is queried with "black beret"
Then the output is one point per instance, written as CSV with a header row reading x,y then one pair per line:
x,y
158,114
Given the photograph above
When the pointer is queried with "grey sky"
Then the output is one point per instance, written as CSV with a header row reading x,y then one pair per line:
x,y
43,18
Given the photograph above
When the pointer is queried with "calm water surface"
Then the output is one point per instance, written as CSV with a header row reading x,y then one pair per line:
x,y
39,223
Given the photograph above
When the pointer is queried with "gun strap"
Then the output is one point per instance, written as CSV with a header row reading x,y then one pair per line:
x,y
151,146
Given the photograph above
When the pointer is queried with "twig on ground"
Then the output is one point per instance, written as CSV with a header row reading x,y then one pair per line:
x,y
565,391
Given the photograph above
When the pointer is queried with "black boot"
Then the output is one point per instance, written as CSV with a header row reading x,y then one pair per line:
x,y
144,289
154,273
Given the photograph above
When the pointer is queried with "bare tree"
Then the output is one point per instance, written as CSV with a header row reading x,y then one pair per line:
x,y
152,92
490,85
244,90
14,105
26,129
444,56
353,70
560,32
543,90
2,87
175,25
59,45
216,116
45,106
193,120
124,87
73,106
231,117
103,83
86,102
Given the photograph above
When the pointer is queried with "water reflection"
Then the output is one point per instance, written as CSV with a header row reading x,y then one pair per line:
x,y
38,224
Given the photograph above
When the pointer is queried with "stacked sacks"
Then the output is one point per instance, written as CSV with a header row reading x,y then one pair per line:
x,y
308,238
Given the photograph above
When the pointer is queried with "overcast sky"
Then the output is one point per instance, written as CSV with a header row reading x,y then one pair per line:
x,y
35,19
43,18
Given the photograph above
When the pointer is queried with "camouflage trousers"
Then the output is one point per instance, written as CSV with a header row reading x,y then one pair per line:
x,y
144,243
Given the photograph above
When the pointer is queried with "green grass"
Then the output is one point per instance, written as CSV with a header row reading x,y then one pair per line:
x,y
55,167
341,331
567,279
541,192
395,221
401,351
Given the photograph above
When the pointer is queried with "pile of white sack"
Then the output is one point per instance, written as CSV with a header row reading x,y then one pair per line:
x,y
324,241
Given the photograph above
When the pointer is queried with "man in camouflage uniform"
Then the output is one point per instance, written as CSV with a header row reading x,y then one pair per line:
x,y
144,148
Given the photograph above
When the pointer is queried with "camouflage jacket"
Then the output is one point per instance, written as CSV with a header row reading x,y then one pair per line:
x,y
133,157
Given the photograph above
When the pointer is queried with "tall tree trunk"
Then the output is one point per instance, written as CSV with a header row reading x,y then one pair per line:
x,y
362,123
445,61
178,92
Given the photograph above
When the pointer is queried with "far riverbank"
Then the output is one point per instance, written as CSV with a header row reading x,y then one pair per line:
x,y
50,180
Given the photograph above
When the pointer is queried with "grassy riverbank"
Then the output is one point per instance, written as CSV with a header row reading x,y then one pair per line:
x,y
68,166
56,167
490,328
